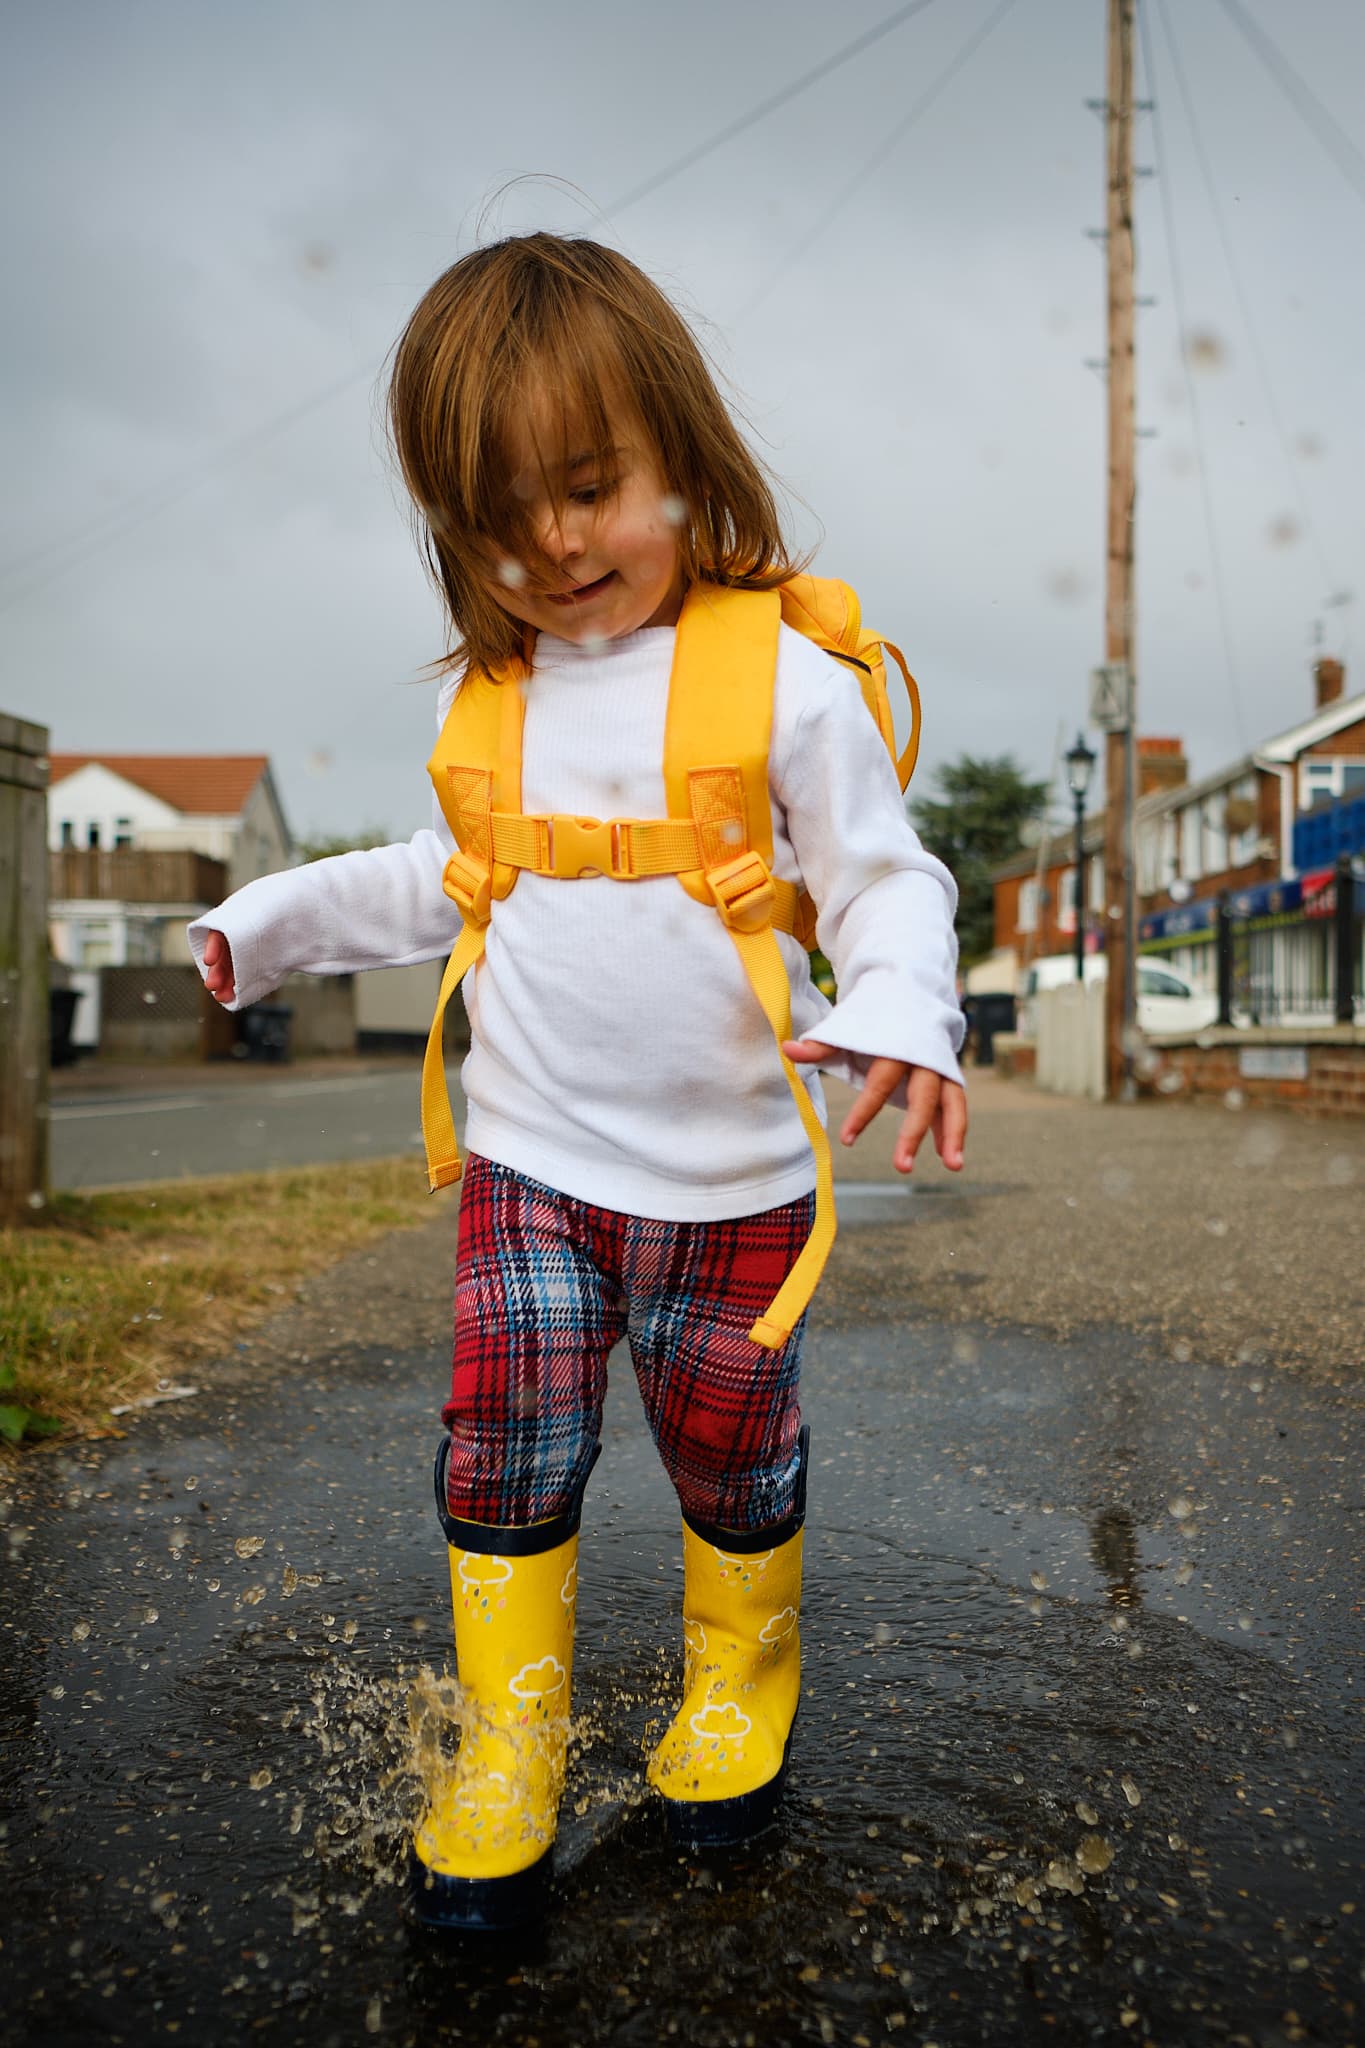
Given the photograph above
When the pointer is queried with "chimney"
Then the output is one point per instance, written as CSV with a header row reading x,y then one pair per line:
x,y
1161,764
1330,678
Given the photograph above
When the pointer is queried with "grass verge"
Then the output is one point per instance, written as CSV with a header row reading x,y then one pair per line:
x,y
104,1294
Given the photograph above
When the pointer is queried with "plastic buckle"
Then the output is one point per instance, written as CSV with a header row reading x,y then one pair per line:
x,y
579,848
744,893
469,886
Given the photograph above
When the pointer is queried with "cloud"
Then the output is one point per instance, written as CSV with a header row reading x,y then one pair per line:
x,y
779,1626
483,1574
721,1724
538,1681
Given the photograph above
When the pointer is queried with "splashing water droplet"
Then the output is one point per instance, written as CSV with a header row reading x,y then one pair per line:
x,y
511,574
249,1546
1130,1791
1094,1854
674,509
260,1779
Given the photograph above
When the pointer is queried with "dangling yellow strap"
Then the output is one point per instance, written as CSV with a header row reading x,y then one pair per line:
x,y
438,1125
762,961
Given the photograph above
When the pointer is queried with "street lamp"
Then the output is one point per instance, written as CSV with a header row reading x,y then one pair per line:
x,y
1079,763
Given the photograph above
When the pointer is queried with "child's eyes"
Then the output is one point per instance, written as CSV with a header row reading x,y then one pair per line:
x,y
592,494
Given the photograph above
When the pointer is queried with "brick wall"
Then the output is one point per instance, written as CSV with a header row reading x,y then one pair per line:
x,y
1334,1084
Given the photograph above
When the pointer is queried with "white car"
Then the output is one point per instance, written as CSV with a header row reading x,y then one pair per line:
x,y
1165,1000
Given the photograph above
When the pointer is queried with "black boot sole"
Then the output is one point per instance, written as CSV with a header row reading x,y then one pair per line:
x,y
727,1823
478,1905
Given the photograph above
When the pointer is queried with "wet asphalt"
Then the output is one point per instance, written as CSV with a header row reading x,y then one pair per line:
x,y
1078,1759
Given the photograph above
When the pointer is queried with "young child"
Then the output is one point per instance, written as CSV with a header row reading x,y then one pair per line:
x,y
639,1162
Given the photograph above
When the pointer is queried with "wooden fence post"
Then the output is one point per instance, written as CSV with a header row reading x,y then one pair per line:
x,y
23,969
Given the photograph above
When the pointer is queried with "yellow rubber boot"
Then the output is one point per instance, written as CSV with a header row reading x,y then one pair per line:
x,y
721,1766
482,1853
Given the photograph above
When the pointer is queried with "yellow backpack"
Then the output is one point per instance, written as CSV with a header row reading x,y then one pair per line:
x,y
717,838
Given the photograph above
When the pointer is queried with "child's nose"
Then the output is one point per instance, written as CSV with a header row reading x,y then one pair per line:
x,y
562,532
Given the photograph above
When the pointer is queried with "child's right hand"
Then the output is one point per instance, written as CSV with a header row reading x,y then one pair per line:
x,y
218,975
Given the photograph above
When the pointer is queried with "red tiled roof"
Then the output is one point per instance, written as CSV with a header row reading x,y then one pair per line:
x,y
208,784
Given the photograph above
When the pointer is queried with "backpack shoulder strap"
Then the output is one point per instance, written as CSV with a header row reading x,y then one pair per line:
x,y
720,714
720,720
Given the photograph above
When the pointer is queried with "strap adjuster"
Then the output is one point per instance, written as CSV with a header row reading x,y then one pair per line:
x,y
469,885
744,893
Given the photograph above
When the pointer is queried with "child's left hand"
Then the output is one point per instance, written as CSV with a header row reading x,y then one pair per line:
x,y
933,1104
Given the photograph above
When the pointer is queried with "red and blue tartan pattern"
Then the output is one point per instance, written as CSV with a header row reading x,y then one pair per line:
x,y
545,1285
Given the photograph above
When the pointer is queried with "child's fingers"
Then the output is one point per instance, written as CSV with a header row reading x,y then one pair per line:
x,y
921,1108
883,1079
950,1126
806,1051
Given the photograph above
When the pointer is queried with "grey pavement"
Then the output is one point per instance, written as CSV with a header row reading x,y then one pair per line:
x,y
1078,1757
123,1126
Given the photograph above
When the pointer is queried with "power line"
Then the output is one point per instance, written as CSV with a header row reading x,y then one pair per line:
x,y
770,106
74,548
1178,293
1253,338
882,151
1299,93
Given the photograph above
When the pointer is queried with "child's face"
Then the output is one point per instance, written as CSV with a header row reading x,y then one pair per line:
x,y
610,531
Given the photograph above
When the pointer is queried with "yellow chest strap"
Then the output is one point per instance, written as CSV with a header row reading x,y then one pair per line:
x,y
717,841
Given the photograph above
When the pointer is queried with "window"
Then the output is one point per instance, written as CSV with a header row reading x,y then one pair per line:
x,y
1154,981
1168,865
68,832
1215,834
123,831
1026,919
1097,883
1066,900
92,836
1353,778
1190,846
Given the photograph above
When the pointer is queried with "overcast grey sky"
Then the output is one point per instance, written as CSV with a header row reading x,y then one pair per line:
x,y
216,216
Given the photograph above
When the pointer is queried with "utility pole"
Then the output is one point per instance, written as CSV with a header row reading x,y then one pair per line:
x,y
1120,745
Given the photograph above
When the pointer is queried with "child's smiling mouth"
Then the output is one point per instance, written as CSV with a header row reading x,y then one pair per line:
x,y
585,591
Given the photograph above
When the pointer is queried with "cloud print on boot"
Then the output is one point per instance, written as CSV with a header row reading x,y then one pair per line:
x,y
721,1724
778,1626
484,1573
535,1681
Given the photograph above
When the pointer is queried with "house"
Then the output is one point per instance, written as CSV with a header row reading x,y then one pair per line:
x,y
1249,827
141,843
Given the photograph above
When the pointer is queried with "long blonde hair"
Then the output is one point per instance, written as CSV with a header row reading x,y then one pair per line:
x,y
585,329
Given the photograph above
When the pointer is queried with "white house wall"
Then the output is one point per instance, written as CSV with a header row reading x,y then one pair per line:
x,y
96,796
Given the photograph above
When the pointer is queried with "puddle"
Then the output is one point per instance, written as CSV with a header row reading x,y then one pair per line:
x,y
1028,1798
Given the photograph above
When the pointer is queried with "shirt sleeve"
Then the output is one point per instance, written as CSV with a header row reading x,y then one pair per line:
x,y
383,907
885,905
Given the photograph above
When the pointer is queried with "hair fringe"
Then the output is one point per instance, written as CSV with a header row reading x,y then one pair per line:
x,y
572,317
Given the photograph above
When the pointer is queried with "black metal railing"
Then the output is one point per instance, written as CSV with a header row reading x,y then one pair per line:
x,y
1290,953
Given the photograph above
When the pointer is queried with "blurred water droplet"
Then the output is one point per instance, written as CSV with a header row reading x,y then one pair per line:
x,y
1205,349
289,1581
253,1596
249,1546
1181,1507
1284,531
1184,1573
1086,1812
966,1350
1216,1226
1129,1789
1245,1623
511,574
1038,1581
1234,1098
674,509
149,1616
80,1632
1094,1854
260,1779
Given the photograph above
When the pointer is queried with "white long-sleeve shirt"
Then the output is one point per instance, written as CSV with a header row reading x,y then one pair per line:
x,y
617,1050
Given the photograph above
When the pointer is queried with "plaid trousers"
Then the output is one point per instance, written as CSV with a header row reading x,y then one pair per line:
x,y
544,1287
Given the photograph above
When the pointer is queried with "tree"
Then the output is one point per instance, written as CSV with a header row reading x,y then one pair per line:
x,y
974,822
323,847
